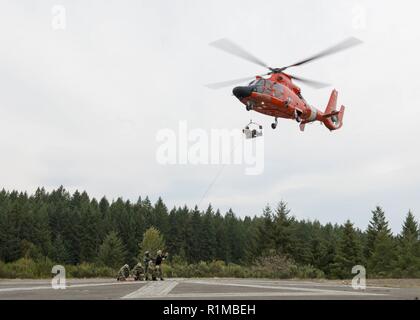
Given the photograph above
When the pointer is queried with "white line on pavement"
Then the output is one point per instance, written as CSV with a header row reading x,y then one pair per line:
x,y
67,287
250,294
159,288
309,283
283,288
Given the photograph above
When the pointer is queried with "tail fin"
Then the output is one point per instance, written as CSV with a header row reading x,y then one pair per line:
x,y
333,119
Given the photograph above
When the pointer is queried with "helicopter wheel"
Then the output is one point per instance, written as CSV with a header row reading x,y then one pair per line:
x,y
274,124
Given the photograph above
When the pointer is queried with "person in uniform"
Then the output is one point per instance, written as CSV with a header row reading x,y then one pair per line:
x,y
158,264
146,261
138,272
152,269
123,273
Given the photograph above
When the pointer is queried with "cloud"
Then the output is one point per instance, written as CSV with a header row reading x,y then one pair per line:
x,y
81,107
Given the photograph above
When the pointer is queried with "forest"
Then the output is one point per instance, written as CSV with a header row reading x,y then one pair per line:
x,y
94,238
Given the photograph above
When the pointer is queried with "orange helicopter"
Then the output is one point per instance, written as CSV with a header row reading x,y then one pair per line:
x,y
278,96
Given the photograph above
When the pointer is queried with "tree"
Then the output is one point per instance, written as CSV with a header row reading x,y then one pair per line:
x,y
409,248
265,232
330,238
90,228
177,237
235,238
59,253
377,224
379,250
194,236
382,261
222,247
112,252
160,217
282,233
69,229
152,242
209,235
349,252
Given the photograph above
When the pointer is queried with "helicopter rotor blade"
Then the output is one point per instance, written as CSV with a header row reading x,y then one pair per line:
x,y
345,44
228,46
309,82
219,85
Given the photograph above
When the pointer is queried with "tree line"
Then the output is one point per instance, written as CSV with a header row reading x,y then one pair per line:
x,y
75,228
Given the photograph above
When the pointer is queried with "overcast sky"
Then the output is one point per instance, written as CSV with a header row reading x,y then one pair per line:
x,y
81,107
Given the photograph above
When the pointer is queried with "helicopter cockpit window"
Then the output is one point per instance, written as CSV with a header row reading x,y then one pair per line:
x,y
267,87
258,85
278,90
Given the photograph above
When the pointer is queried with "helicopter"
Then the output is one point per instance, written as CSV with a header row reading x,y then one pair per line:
x,y
277,96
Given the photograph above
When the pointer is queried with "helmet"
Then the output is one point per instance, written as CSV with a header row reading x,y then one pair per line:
x,y
126,265
146,253
139,264
159,252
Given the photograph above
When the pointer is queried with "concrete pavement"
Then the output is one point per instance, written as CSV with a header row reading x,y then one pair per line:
x,y
207,289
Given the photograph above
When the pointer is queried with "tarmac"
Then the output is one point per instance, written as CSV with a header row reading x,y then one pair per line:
x,y
199,289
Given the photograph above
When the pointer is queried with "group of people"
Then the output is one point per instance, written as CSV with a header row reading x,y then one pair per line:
x,y
150,270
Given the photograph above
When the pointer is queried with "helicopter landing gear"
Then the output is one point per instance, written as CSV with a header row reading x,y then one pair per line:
x,y
297,116
274,124
249,106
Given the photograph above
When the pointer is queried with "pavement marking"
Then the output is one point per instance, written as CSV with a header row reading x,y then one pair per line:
x,y
252,294
155,288
329,291
318,284
67,287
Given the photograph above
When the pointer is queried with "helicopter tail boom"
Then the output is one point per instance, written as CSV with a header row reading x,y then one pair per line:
x,y
332,118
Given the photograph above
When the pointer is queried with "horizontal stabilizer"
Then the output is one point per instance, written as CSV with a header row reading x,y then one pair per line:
x,y
329,115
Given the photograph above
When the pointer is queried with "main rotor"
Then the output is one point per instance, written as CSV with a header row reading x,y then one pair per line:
x,y
234,49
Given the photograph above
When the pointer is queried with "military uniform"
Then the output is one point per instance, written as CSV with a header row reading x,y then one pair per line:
x,y
158,264
138,272
123,273
146,261
152,270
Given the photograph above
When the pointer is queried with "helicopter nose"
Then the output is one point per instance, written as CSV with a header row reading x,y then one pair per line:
x,y
242,92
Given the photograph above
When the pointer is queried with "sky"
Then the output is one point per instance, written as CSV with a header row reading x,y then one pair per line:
x,y
82,106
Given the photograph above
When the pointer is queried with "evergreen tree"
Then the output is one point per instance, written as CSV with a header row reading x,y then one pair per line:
x,y
380,249
59,253
90,231
349,252
160,217
69,229
235,238
409,248
377,224
194,240
330,238
112,252
302,242
266,232
382,261
222,247
209,235
281,229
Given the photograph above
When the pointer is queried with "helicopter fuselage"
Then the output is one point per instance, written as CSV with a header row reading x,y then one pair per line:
x,y
279,97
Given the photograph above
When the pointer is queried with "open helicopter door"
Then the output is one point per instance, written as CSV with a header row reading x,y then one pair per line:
x,y
252,130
